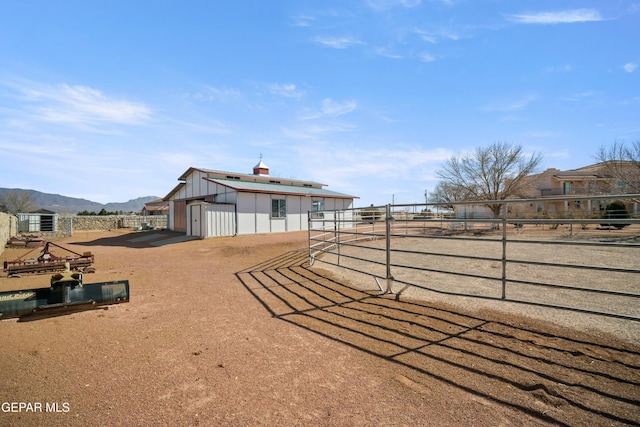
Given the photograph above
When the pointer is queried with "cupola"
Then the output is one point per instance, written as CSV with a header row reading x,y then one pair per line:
x,y
261,169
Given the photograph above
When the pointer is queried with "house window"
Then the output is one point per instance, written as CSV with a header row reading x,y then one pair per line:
x,y
578,204
278,208
566,188
620,186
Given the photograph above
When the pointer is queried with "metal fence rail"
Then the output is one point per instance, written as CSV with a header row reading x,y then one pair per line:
x,y
587,263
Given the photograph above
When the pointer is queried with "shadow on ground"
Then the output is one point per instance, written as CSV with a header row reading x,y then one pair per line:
x,y
555,379
140,239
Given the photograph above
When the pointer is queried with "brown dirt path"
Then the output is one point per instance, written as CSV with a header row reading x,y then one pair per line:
x,y
240,331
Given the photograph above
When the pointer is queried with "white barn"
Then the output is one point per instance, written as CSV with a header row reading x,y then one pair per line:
x,y
209,203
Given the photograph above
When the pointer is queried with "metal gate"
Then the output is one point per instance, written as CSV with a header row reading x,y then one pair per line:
x,y
581,261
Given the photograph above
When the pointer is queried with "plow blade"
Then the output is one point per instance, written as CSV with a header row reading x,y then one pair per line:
x,y
64,297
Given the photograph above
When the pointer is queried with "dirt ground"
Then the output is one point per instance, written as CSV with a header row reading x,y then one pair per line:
x,y
241,331
428,254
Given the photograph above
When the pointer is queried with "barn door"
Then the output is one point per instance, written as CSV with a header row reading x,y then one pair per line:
x,y
196,222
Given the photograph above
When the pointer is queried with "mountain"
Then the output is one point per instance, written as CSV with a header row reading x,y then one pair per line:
x,y
71,205
133,205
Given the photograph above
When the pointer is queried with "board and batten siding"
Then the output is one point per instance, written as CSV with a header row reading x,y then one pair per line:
x,y
254,213
251,209
211,220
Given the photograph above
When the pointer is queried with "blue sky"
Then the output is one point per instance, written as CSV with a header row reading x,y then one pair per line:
x,y
113,100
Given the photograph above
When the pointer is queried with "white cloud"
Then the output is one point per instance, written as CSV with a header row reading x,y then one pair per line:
x,y
560,69
381,5
516,105
315,130
541,134
330,108
218,94
343,164
633,8
84,104
179,159
333,108
630,67
426,57
558,17
287,90
434,37
561,154
79,106
576,97
302,20
45,146
208,126
387,53
338,42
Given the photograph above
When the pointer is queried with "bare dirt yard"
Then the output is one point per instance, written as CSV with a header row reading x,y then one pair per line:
x,y
241,331
427,259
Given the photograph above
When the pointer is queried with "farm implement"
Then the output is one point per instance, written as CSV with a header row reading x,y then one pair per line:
x,y
49,262
66,293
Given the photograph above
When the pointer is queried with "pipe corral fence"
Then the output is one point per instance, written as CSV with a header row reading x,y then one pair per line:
x,y
583,260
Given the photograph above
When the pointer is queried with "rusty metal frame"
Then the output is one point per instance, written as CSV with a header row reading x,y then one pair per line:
x,y
48,262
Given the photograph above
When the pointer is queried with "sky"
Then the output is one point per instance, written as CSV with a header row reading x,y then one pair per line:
x,y
114,100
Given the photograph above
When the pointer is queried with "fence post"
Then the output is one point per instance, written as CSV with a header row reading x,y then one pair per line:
x,y
388,249
337,239
571,223
309,236
504,254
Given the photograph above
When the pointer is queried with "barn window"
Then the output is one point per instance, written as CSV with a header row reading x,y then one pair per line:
x,y
317,206
278,208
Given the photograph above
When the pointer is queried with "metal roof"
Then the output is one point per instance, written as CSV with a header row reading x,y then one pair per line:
x,y
260,184
222,174
268,187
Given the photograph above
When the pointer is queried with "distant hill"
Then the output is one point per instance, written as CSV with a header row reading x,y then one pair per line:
x,y
72,205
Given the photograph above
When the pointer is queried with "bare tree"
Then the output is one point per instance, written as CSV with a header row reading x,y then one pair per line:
x,y
623,162
17,201
446,194
492,173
